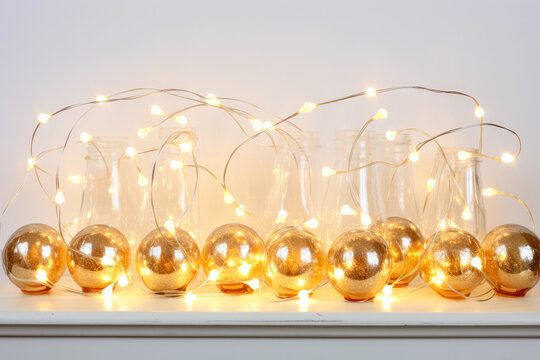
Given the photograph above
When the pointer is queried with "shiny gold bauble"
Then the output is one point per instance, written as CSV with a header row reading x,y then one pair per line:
x,y
235,251
406,246
511,259
359,264
451,264
296,261
34,254
97,256
167,261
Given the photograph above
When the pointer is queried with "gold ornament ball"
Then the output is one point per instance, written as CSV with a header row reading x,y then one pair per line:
x,y
406,246
511,259
359,264
167,261
450,265
235,251
34,254
97,256
296,261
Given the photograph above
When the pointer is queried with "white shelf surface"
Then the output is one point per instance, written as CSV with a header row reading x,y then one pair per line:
x,y
131,312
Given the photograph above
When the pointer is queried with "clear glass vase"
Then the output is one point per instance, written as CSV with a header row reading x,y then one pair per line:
x,y
296,258
455,198
359,259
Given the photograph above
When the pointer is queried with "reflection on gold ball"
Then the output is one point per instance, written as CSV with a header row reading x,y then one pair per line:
x,y
296,261
167,261
406,246
34,254
98,255
235,251
359,264
448,263
512,259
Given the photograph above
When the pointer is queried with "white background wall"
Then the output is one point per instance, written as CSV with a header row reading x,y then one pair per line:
x,y
277,55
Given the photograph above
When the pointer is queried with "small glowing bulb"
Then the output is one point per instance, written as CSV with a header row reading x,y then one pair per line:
x,y
365,219
131,152
41,275
439,278
476,262
143,132
59,198
381,114
507,158
213,275
142,180
101,98
43,118
347,210
157,110
244,268
303,295
123,280
227,197
338,273
414,157
307,107
211,99
267,125
182,119
387,290
240,210
31,163
186,147
326,171
75,179
254,284
466,214
170,226
489,192
108,290
176,164
390,135
86,137
479,112
463,155
312,223
190,298
282,216
257,124
371,92
430,185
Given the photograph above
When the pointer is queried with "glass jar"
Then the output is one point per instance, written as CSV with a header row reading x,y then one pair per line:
x,y
455,198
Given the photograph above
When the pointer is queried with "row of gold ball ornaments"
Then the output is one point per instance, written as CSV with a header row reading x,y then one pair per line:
x,y
456,262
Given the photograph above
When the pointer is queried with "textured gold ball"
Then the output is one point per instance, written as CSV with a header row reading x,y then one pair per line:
x,y
296,261
167,261
448,266
511,259
406,246
34,254
359,264
97,256
235,251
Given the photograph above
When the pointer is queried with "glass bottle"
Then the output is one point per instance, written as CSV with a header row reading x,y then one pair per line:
x,y
359,260
455,198
296,258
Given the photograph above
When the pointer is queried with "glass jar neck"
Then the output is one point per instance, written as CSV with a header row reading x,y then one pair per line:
x,y
307,141
106,148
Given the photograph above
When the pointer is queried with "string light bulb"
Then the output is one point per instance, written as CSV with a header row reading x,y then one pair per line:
x,y
101,98
387,290
170,226
186,147
430,185
254,284
190,298
476,262
312,223
466,214
211,99
390,135
371,92
142,180
381,114
463,155
31,163
282,216
59,198
257,124
489,192
347,210
85,137
43,118
176,164
267,125
326,171
123,280
507,158
479,112
143,132
41,275
414,157
213,275
131,152
303,295
307,107
157,110
240,210
75,179
181,119
227,197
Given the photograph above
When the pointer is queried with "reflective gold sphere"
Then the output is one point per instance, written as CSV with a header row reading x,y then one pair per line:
x,y
34,254
167,261
449,263
406,246
296,261
235,251
511,259
97,256
359,264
